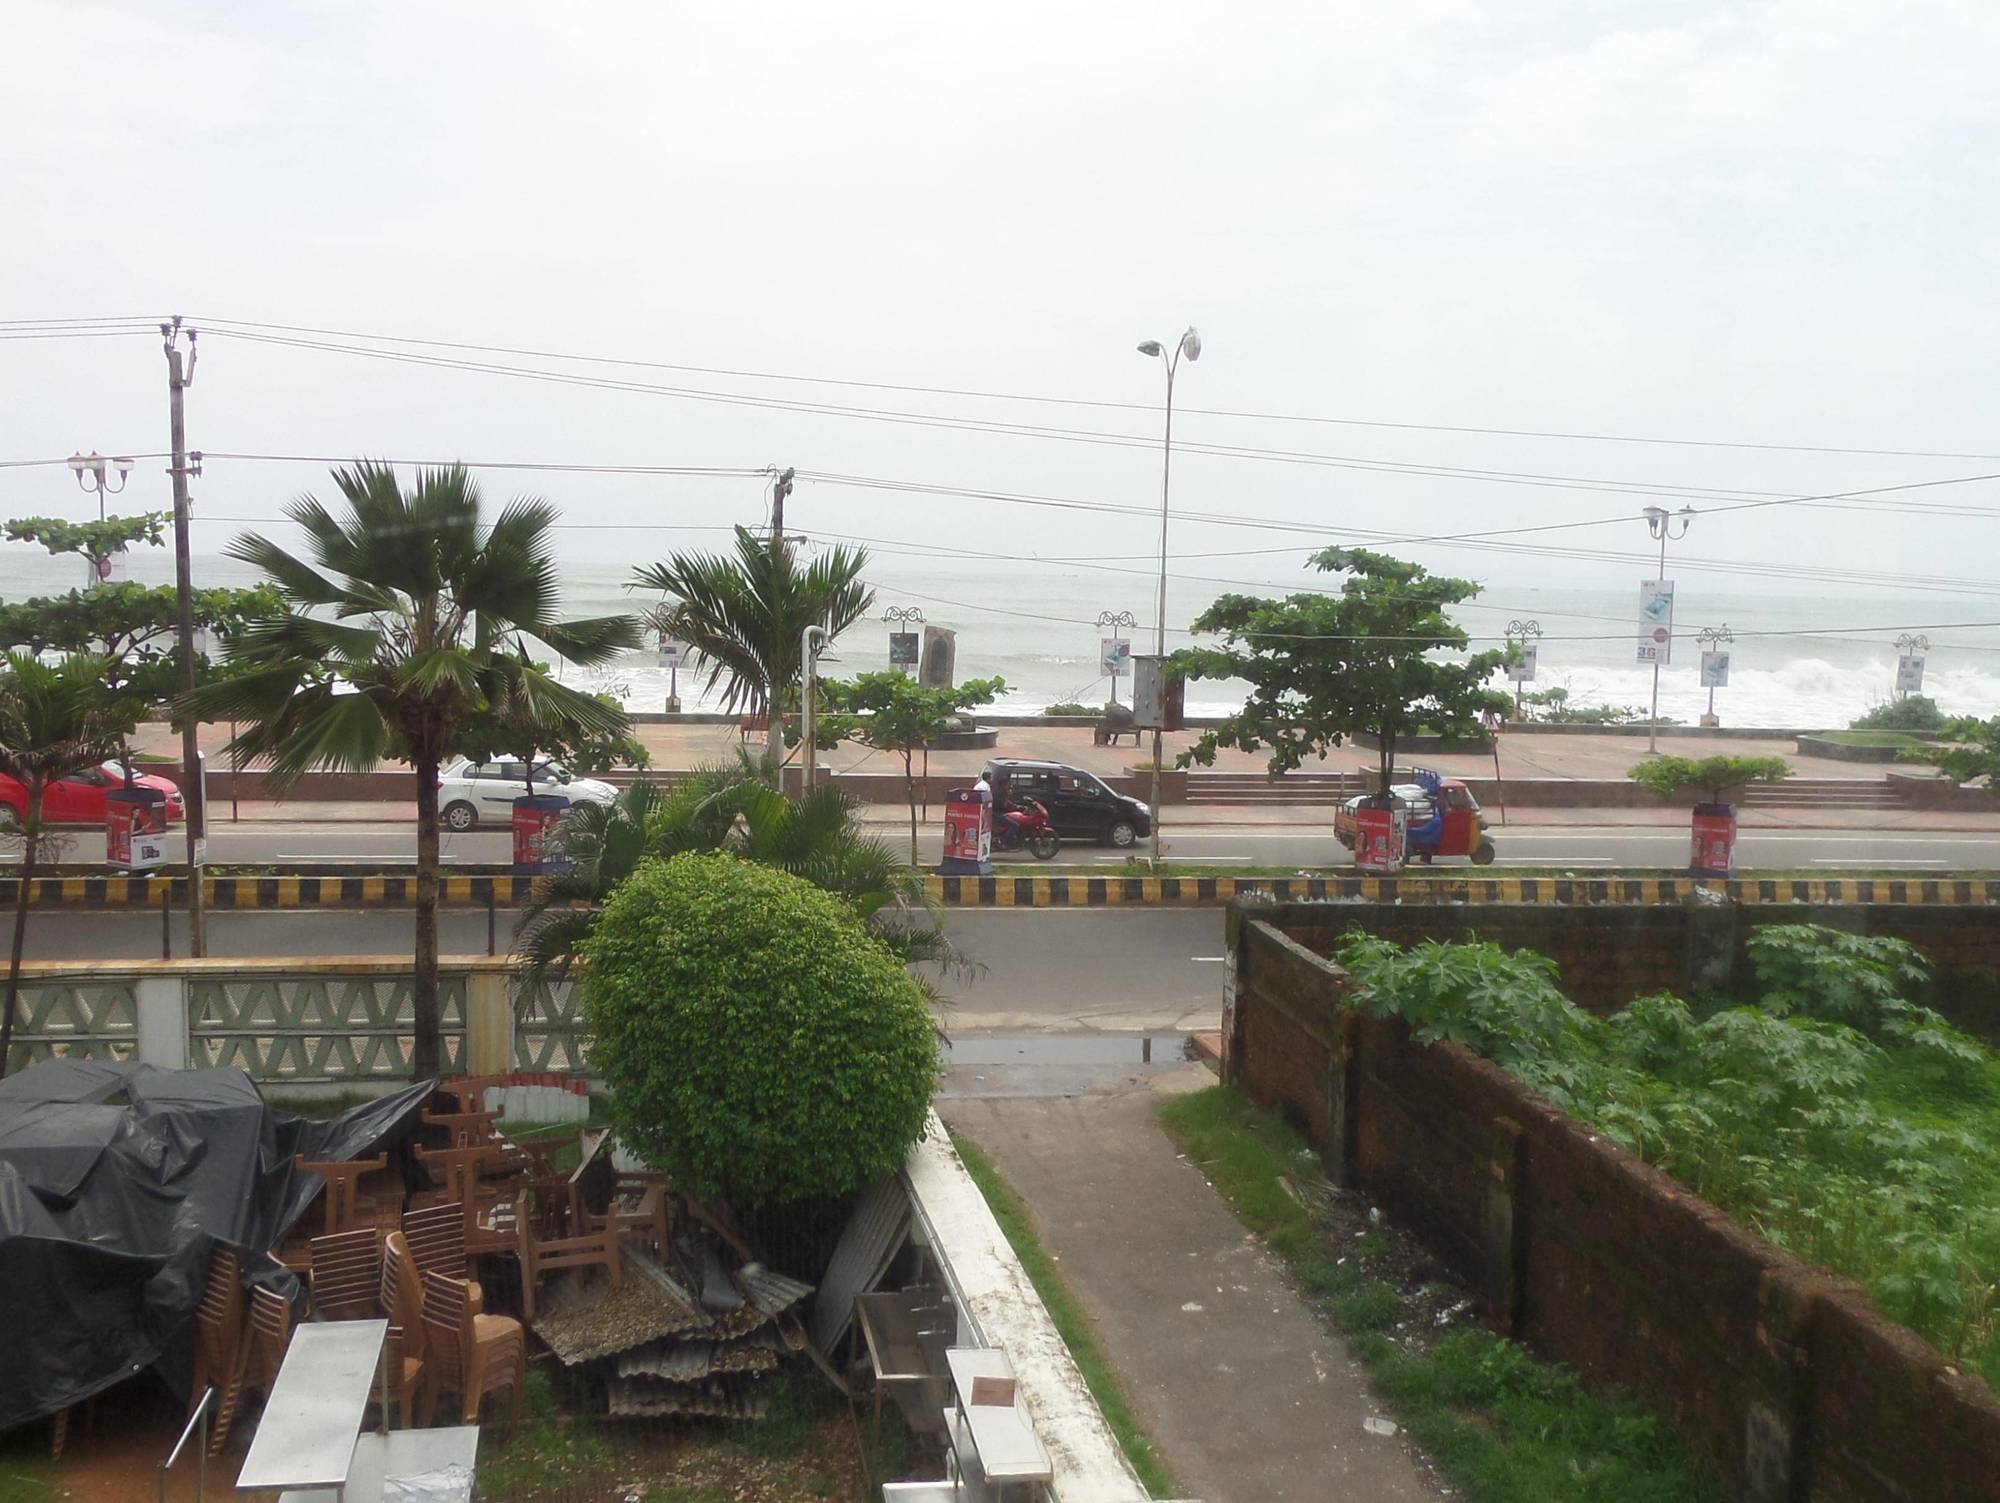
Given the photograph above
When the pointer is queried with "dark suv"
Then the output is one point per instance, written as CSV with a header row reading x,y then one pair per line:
x,y
1079,804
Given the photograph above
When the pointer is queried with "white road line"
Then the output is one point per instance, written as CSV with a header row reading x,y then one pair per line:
x,y
1839,861
1208,959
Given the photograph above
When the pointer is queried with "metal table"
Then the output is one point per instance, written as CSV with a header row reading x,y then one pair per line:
x,y
401,1453
1001,1436
306,1438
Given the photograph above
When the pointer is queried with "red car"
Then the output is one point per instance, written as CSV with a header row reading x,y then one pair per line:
x,y
79,798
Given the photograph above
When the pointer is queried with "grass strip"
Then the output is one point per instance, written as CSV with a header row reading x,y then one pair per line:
x,y
1491,1419
1070,1321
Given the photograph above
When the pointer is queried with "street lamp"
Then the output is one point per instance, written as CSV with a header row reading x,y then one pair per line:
x,y
1712,639
1189,345
908,615
1115,619
1523,632
89,470
1661,525
1911,649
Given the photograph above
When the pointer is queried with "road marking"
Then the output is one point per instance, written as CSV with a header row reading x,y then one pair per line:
x,y
1208,959
1842,861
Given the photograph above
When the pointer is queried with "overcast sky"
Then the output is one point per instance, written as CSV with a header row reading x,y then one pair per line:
x,y
1752,223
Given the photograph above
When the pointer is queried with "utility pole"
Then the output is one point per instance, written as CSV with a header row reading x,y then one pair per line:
x,y
774,728
193,791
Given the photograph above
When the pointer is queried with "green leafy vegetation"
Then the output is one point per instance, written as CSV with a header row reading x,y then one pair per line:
x,y
1973,754
1077,1333
1911,712
1717,777
1068,707
1874,738
759,1043
1835,1115
890,711
1498,1425
1554,706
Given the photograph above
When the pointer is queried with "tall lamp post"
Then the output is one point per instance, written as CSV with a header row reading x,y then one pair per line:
x,y
1116,619
1661,524
90,472
1524,632
908,617
1189,344
1911,649
1712,639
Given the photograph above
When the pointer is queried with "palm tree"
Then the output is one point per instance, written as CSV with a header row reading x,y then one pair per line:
x,y
814,835
54,720
745,615
408,621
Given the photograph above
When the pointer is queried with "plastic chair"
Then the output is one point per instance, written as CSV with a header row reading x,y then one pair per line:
x,y
402,1300
342,1196
270,1334
346,1274
218,1343
436,1239
596,1244
469,1353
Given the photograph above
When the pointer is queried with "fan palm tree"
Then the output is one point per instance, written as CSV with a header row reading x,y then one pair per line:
x,y
815,835
744,617
407,622
55,719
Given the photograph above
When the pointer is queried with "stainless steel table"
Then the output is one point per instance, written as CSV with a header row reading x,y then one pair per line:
x,y
1006,1452
401,1453
313,1415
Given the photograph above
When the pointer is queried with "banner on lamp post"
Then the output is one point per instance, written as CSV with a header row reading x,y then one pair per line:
x,y
1114,656
1656,621
905,650
1910,673
1715,670
1522,669
672,652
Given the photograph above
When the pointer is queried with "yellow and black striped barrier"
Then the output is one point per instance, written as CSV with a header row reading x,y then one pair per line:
x,y
1047,892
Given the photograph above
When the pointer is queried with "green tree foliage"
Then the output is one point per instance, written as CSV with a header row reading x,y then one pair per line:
x,y
1833,1113
96,541
1908,712
1718,777
1972,752
54,720
744,616
515,725
400,627
1322,667
1556,706
816,836
760,1044
891,711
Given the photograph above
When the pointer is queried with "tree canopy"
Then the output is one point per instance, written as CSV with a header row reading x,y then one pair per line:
x,y
891,711
1324,666
1715,776
1971,751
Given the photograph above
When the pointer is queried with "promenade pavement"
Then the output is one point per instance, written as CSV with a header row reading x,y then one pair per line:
x,y
1245,1391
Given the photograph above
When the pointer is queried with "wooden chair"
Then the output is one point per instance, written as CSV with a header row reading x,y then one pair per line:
x,y
467,1129
435,1237
455,1171
469,1091
402,1300
270,1334
641,1206
469,1353
540,1255
342,1196
542,1153
218,1344
346,1274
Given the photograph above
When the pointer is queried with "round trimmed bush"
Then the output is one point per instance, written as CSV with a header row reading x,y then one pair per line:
x,y
760,1045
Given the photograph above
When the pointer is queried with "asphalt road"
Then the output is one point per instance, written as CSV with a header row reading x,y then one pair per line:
x,y
1577,846
1158,968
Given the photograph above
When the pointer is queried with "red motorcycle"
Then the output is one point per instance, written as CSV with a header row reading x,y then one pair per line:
x,y
1026,824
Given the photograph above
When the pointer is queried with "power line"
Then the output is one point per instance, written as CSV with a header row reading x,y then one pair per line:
x,y
1002,396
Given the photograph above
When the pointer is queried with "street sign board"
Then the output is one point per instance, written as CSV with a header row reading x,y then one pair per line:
x,y
1114,656
672,652
1656,621
1910,673
1715,670
1158,695
1522,669
904,649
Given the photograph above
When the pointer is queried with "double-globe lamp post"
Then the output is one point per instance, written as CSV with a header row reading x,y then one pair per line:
x,y
1661,524
1189,345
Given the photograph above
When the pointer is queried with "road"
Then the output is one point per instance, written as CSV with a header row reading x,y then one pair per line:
x,y
1580,846
1037,968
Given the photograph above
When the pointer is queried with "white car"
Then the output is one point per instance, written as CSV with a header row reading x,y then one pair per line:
x,y
471,793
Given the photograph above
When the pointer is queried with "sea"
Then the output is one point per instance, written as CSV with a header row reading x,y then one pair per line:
x,y
1796,661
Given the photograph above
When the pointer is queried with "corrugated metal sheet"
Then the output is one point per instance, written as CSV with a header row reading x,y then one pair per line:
x,y
868,1245
717,1398
685,1361
584,1321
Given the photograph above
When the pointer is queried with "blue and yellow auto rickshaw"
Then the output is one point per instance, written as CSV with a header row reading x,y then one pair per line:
x,y
1451,826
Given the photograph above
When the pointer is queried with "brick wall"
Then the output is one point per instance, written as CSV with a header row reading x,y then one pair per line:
x,y
1786,1376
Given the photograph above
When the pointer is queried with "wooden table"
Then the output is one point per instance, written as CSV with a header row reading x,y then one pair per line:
x,y
306,1438
1000,1438
399,1454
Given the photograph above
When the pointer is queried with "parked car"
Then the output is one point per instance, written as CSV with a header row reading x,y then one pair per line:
x,y
79,798
469,792
1080,806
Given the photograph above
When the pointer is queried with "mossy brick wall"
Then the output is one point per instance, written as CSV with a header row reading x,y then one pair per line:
x,y
1786,1376
1610,953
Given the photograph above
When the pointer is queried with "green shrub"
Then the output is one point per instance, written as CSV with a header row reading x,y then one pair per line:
x,y
1915,712
1715,776
760,1045
1068,707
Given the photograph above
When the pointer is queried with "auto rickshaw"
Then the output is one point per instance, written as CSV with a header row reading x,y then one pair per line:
x,y
1453,827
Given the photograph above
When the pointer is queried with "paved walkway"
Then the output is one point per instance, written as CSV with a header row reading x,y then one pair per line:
x,y
1246,1393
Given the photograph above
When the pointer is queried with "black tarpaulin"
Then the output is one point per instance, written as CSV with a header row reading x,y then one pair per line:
x,y
115,1181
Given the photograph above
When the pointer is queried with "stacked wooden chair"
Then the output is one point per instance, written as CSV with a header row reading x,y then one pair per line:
x,y
346,1274
467,1352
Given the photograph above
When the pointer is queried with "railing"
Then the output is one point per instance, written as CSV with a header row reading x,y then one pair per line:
x,y
319,1022
198,1419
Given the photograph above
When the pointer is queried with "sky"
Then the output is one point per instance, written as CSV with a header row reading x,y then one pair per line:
x,y
1749,224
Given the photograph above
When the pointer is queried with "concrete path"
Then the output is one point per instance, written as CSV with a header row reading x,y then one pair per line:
x,y
1246,1393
